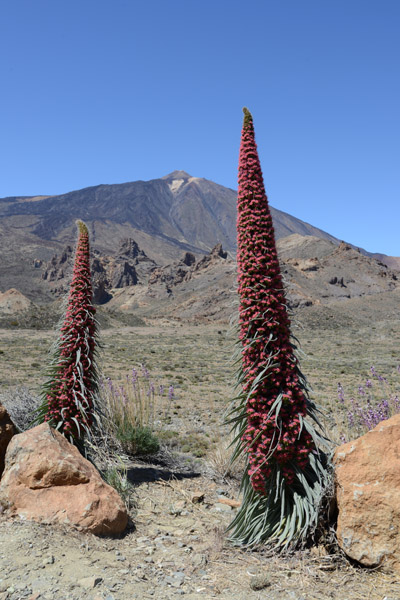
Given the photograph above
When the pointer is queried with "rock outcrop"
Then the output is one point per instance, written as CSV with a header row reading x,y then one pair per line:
x,y
47,480
368,496
7,430
182,271
13,302
215,255
129,266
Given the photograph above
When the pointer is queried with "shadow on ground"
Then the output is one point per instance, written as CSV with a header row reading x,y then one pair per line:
x,y
143,474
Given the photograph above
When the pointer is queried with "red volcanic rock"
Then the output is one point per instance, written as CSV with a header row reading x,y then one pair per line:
x,y
48,481
368,496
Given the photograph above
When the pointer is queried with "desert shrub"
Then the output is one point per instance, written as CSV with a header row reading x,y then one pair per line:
x,y
116,475
137,440
220,463
21,405
376,400
136,412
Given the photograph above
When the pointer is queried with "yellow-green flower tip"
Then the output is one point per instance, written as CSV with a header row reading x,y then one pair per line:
x,y
82,227
248,119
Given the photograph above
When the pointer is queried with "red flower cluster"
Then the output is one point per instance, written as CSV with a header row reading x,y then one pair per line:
x,y
70,398
275,399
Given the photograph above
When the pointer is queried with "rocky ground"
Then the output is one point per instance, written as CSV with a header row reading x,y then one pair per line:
x,y
176,545
175,548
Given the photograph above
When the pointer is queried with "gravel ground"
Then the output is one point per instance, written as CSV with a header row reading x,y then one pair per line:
x,y
176,548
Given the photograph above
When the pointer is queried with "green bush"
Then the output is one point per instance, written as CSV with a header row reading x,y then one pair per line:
x,y
138,441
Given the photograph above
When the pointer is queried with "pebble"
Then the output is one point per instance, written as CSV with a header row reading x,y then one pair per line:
x,y
221,508
176,579
90,582
199,560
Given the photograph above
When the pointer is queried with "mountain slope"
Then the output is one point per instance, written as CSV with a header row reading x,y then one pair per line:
x,y
165,217
179,210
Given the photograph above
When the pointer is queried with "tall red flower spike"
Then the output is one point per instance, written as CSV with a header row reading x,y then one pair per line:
x,y
284,466
69,394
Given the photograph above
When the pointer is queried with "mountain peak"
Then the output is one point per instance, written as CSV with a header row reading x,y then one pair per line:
x,y
177,175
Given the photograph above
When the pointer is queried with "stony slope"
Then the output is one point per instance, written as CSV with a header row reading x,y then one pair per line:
x,y
318,275
166,217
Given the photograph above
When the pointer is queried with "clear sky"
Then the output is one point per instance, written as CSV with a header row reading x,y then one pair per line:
x,y
109,91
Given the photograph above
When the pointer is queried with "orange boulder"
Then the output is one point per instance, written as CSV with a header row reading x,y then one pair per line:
x,y
47,480
368,496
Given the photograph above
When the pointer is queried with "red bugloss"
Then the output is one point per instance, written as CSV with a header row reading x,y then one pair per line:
x,y
271,435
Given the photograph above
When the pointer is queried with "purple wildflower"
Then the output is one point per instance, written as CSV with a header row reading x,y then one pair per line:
x,y
123,395
340,393
145,372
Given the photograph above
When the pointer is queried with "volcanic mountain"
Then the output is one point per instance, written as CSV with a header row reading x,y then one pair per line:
x,y
164,218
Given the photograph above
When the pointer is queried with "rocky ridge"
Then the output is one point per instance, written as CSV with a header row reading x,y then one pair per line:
x,y
317,273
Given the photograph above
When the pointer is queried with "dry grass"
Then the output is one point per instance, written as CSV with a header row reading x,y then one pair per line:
x,y
196,360
219,460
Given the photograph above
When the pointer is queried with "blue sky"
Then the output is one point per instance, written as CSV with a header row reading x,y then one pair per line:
x,y
97,91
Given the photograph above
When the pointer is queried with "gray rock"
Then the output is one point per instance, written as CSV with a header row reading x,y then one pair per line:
x,y
90,582
176,579
199,560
